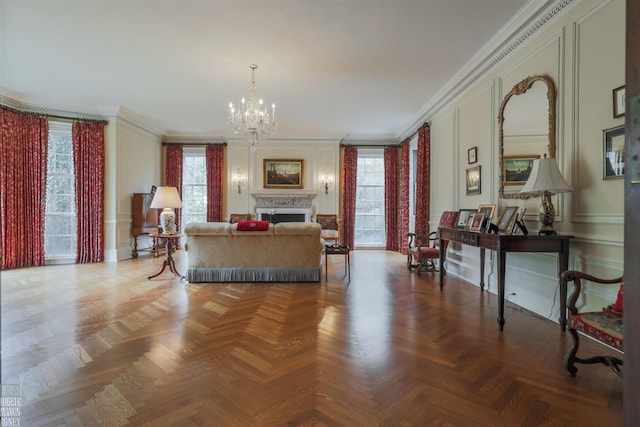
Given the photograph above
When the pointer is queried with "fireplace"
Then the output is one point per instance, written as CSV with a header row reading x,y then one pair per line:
x,y
279,207
283,215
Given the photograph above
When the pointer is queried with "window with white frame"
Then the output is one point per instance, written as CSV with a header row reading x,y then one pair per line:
x,y
370,215
194,185
60,228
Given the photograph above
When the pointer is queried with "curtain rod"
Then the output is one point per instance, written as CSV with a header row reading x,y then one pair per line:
x,y
53,116
195,144
424,125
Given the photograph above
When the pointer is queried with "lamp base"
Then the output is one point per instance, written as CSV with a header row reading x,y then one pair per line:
x,y
547,214
547,233
168,221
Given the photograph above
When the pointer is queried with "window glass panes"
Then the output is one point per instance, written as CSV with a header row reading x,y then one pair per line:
x,y
369,224
194,186
60,209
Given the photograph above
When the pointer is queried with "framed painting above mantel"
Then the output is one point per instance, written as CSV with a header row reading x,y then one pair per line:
x,y
283,173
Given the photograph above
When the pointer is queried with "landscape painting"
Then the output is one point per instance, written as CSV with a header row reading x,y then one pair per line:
x,y
279,173
517,169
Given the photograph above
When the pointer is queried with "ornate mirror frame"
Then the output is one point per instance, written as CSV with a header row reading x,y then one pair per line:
x,y
519,89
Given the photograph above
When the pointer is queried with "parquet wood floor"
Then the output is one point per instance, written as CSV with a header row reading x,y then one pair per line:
x,y
99,345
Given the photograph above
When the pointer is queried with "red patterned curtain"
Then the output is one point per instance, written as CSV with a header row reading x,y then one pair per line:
x,y
173,173
403,196
23,184
349,183
391,197
215,181
88,161
423,185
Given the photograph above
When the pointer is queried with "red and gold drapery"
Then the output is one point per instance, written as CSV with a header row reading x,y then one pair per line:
x,y
173,173
403,196
391,197
423,180
23,184
88,161
349,188
215,181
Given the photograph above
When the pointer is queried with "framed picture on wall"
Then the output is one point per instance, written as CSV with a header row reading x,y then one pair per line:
x,y
283,173
619,102
472,155
473,180
613,156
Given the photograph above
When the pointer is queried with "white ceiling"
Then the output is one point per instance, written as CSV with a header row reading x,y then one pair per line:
x,y
336,69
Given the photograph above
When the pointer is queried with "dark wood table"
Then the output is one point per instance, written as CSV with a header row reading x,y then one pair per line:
x,y
503,243
168,262
337,250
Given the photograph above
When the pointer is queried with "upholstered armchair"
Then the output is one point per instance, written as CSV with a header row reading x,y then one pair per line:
x,y
330,227
234,218
606,325
422,251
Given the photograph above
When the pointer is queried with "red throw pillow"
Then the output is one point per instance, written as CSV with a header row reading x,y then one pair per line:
x,y
253,225
616,307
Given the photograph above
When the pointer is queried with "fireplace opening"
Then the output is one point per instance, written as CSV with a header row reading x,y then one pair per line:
x,y
283,217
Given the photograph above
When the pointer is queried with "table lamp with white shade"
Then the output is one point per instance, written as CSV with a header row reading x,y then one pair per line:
x,y
545,180
167,199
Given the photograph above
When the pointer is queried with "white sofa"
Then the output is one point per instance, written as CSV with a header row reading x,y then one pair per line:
x,y
286,252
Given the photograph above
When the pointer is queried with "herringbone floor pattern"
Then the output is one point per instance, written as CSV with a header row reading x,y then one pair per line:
x,y
100,345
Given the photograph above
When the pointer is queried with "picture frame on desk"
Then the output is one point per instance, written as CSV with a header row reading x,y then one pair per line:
x,y
476,221
448,219
487,210
464,218
507,219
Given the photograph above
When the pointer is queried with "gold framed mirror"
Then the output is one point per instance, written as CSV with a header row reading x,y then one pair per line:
x,y
527,130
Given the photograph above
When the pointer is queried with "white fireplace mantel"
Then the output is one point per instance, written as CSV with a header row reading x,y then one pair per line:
x,y
284,204
284,200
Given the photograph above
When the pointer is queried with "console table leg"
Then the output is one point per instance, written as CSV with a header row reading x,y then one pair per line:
x,y
482,269
502,258
443,254
563,265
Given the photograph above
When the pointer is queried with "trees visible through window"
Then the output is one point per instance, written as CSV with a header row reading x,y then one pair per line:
x,y
369,224
194,186
60,228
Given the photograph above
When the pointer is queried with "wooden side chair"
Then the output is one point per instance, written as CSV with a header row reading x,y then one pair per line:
x,y
234,218
605,326
423,251
330,227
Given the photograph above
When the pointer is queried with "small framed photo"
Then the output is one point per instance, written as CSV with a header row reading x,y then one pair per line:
x,y
472,155
279,173
517,169
476,221
618,102
473,180
464,218
487,210
613,156
507,219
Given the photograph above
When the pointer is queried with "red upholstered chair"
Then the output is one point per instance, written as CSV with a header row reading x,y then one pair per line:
x,y
422,251
606,325
330,227
234,218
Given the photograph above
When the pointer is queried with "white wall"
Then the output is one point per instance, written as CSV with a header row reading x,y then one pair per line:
x,y
583,52
320,159
133,166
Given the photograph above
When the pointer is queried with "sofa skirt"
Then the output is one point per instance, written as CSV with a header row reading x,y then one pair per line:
x,y
263,274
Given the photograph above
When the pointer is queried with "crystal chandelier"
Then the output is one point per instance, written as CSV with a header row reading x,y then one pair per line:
x,y
252,118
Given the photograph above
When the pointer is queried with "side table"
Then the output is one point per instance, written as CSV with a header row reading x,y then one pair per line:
x,y
170,238
337,250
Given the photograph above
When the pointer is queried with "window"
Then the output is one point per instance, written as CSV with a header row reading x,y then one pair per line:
x,y
60,229
194,186
370,226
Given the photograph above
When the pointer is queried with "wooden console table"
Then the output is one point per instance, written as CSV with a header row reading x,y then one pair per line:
x,y
503,243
